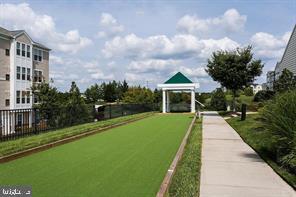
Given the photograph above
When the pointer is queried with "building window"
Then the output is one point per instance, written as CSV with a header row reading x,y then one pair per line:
x,y
7,77
18,97
18,72
23,97
28,96
40,55
28,74
23,73
18,48
40,76
19,119
37,76
7,103
35,99
28,51
37,55
23,50
7,52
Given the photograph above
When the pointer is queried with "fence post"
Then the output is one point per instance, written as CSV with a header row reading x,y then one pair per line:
x,y
110,113
244,111
35,120
122,110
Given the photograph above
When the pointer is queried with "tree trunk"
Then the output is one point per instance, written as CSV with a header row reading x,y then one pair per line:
x,y
233,100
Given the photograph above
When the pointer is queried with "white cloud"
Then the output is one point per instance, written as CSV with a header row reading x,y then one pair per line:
x,y
194,72
132,77
211,45
41,27
58,74
56,60
152,65
99,75
158,47
109,25
162,47
269,46
90,65
230,21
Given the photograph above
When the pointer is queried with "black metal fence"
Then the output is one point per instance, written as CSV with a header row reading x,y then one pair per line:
x,y
19,123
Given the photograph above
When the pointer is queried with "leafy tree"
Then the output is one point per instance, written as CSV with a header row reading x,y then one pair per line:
x,y
47,96
234,69
138,95
218,100
76,107
248,91
93,94
157,96
285,82
49,101
124,87
263,95
110,93
202,97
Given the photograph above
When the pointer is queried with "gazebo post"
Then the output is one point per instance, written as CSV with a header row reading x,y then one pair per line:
x,y
192,101
163,101
168,101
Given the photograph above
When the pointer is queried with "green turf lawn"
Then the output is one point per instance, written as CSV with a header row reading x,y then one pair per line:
x,y
13,146
130,160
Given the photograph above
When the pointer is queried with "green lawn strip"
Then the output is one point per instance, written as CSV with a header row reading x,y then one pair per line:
x,y
9,147
185,181
130,160
254,134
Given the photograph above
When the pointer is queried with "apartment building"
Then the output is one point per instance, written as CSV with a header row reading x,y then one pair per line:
x,y
288,61
23,62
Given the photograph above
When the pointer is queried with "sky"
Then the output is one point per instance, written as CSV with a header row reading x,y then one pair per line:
x,y
146,42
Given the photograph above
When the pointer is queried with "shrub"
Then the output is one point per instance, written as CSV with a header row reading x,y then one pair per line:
x,y
279,117
248,91
218,100
285,82
263,95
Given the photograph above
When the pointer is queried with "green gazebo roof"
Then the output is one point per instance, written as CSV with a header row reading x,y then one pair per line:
x,y
178,78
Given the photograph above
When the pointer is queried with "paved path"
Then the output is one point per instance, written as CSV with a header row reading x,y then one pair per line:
x,y
230,168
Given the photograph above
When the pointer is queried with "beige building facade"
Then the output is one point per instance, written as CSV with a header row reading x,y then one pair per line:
x,y
23,63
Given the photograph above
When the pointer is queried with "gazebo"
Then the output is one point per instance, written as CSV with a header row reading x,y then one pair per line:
x,y
178,82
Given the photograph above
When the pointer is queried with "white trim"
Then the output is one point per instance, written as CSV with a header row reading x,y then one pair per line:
x,y
164,101
4,38
12,83
24,32
192,101
178,85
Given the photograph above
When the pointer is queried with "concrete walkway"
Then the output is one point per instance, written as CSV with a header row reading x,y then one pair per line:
x,y
230,168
